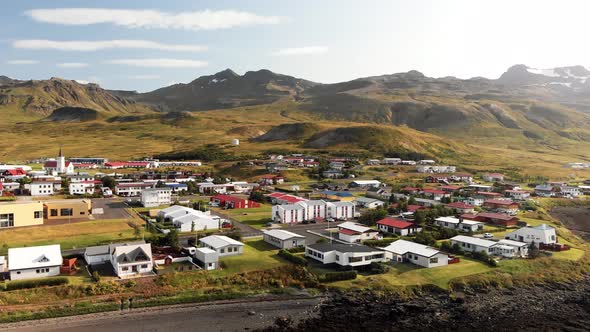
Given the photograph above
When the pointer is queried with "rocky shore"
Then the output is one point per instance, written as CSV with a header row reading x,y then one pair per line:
x,y
552,307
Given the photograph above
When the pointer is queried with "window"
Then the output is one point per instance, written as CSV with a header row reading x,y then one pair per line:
x,y
355,259
53,212
38,214
434,260
337,257
221,251
125,268
6,220
144,266
66,212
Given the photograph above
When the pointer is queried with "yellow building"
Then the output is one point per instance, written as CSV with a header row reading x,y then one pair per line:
x,y
21,213
67,209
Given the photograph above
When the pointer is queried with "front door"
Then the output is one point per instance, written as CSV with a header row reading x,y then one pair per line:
x,y
134,269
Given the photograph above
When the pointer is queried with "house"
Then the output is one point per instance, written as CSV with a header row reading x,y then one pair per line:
x,y
493,177
177,187
426,162
355,233
511,249
569,191
501,219
42,188
186,219
129,260
34,262
519,195
475,201
368,203
207,258
459,224
131,189
397,226
270,179
408,162
83,187
20,213
542,234
391,161
152,197
461,177
332,174
487,195
436,194
473,244
312,210
59,165
406,251
14,174
435,169
364,184
233,202
223,245
66,209
462,207
544,190
437,179
410,190
128,164
89,160
426,202
342,196
451,188
502,206
373,162
283,239
344,254
480,188
126,259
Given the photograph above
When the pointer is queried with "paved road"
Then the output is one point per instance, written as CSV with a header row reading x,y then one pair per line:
x,y
209,317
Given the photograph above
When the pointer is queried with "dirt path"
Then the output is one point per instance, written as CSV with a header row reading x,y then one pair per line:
x,y
238,315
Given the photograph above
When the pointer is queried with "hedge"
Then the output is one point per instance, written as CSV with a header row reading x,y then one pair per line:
x,y
33,283
296,250
337,276
297,260
379,243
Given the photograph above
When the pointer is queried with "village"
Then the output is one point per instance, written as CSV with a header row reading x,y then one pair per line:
x,y
180,219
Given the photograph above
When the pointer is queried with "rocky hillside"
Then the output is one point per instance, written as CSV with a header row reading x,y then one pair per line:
x,y
43,97
225,89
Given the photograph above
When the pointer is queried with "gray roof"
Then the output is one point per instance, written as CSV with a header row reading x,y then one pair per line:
x,y
281,234
401,247
326,247
219,241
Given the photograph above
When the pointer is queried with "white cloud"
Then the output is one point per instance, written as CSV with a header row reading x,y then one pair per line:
x,y
195,20
72,65
301,50
159,63
91,79
22,62
87,46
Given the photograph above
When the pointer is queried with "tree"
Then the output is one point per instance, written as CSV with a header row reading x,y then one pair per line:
x,y
256,196
533,250
420,217
412,200
370,217
171,239
425,238
392,199
109,182
161,184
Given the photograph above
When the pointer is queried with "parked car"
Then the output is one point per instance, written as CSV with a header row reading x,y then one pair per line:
x,y
488,235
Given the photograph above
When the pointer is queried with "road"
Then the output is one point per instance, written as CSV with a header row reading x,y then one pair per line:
x,y
237,315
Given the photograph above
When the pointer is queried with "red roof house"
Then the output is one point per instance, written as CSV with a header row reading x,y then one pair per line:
x,y
233,202
462,207
397,226
496,218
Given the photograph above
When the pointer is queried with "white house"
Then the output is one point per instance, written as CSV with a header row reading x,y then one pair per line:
x,y
283,239
364,184
473,244
223,245
189,220
82,187
34,262
130,189
208,258
42,188
127,259
152,197
540,234
435,169
368,203
510,248
493,177
462,225
312,210
355,233
344,254
391,161
406,251
397,226
518,195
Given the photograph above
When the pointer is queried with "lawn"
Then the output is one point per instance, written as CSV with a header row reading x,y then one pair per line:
x,y
256,217
75,235
258,255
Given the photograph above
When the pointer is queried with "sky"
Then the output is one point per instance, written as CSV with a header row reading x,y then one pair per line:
x,y
144,45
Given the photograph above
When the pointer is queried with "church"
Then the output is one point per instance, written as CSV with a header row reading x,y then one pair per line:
x,y
59,165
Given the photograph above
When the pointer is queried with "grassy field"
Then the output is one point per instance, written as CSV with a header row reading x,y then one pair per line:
x,y
258,255
256,217
75,235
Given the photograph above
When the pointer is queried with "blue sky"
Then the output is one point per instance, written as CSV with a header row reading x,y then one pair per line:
x,y
324,41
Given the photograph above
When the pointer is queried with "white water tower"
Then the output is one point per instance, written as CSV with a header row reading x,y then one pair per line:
x,y
235,142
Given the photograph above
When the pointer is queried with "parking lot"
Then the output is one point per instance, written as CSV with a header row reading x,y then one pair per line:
x,y
113,208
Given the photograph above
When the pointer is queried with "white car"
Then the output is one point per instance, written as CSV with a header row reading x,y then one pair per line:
x,y
488,235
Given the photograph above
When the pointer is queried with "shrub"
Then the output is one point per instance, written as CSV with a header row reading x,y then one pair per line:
x,y
379,243
96,276
378,268
296,250
33,283
337,276
298,260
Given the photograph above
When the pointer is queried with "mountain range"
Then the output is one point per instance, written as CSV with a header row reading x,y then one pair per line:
x,y
523,107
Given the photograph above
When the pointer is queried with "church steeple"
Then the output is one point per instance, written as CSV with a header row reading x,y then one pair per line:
x,y
60,155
